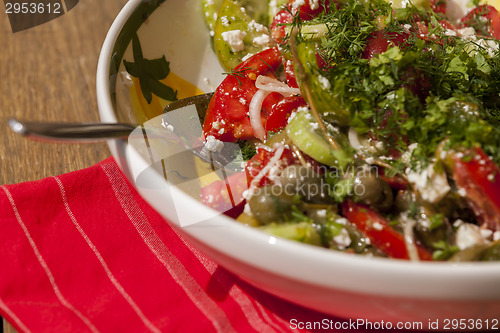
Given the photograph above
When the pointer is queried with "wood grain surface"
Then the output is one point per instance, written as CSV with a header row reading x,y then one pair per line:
x,y
48,73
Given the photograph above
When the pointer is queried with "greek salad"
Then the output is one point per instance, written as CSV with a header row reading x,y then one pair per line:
x,y
366,126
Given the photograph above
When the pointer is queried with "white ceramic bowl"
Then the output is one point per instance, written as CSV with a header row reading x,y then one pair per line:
x,y
339,284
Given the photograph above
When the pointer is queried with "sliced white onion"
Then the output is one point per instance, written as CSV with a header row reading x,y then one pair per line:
x,y
408,225
354,139
254,112
274,85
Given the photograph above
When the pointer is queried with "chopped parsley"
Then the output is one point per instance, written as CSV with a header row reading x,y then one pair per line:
x,y
424,90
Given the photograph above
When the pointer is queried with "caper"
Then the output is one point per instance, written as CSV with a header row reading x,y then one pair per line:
x,y
403,200
373,191
359,242
270,204
429,234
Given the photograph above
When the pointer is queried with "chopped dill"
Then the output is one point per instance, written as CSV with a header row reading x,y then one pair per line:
x,y
247,150
420,91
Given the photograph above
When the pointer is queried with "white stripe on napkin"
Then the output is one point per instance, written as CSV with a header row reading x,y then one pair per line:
x,y
262,324
175,268
45,267
104,265
13,317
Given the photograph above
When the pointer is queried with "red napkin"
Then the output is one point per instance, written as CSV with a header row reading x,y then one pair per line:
x,y
84,252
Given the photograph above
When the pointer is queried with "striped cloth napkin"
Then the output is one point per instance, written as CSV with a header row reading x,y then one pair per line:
x,y
83,252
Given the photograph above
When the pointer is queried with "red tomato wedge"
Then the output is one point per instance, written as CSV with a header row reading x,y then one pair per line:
x,y
479,177
226,196
306,9
381,234
227,114
227,117
261,159
489,13
379,41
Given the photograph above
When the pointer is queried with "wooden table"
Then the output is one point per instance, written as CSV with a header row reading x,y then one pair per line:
x,y
48,73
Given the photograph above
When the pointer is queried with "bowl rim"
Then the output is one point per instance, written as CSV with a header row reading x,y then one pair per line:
x,y
427,273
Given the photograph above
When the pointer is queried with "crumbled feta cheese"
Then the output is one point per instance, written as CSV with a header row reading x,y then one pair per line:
x,y
298,3
224,20
325,83
212,145
458,223
343,240
450,32
406,157
262,40
235,39
257,27
467,32
431,184
321,213
370,160
314,4
341,220
486,233
468,235
299,109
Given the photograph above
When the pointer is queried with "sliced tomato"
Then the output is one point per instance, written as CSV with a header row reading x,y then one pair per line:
x,y
306,9
379,41
291,80
261,159
495,26
281,111
396,182
487,12
309,9
378,230
227,117
227,114
226,196
479,177
279,24
438,6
